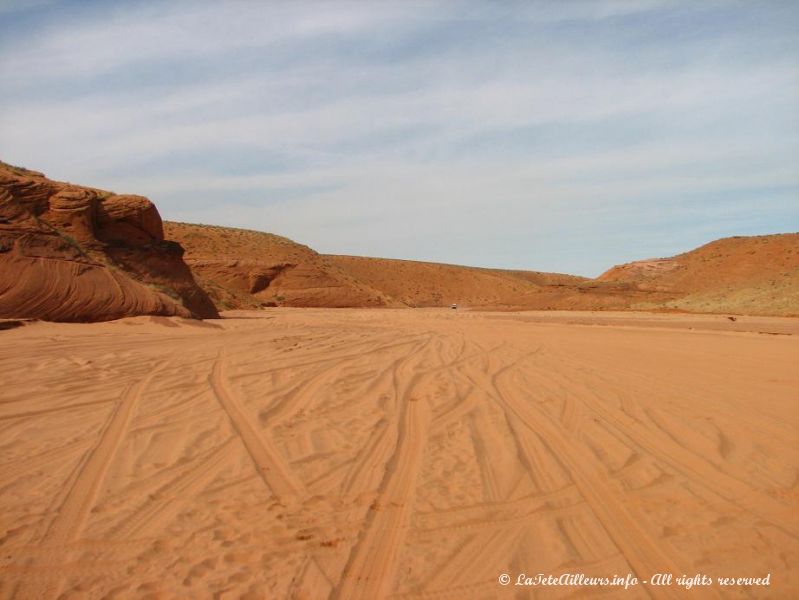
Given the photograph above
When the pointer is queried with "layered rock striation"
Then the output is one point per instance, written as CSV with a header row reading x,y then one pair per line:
x,y
73,253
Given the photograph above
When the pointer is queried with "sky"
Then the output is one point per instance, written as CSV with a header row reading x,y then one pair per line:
x,y
562,136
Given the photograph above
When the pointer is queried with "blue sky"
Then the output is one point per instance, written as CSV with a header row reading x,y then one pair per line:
x,y
562,136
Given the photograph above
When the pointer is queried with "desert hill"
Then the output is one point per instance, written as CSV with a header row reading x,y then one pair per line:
x,y
240,268
432,284
73,253
747,275
244,269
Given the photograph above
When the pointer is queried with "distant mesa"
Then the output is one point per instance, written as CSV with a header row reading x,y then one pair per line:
x,y
73,253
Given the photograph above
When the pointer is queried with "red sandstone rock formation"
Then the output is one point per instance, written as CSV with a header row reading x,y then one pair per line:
x,y
72,253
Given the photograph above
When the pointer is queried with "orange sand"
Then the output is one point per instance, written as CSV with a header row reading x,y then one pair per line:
x,y
406,453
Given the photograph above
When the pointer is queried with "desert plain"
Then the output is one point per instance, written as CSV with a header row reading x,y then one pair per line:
x,y
408,453
349,300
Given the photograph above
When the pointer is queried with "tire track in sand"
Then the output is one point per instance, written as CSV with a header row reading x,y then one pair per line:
x,y
266,458
694,466
173,496
74,510
25,466
645,555
371,569
374,454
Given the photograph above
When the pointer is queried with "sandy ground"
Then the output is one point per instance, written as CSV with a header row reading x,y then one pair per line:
x,y
398,453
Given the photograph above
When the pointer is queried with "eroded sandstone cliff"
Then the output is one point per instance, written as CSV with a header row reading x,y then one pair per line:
x,y
73,253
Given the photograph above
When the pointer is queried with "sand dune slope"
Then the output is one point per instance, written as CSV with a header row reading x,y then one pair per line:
x,y
404,454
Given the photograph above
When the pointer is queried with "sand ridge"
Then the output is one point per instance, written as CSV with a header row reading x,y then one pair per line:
x,y
312,453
